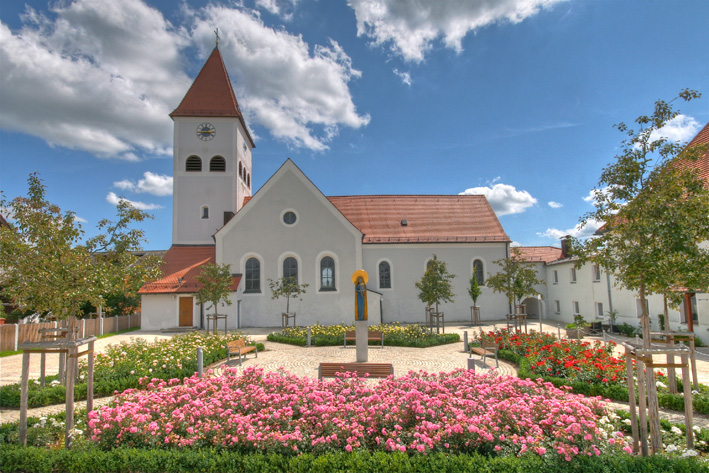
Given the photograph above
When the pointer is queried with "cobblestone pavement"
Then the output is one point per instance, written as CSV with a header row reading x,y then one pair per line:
x,y
303,361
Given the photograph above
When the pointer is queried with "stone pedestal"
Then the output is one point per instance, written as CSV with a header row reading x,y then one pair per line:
x,y
361,327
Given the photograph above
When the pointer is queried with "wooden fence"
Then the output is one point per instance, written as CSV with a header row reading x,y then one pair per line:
x,y
13,334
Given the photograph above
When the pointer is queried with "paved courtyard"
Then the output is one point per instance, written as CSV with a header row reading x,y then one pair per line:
x,y
303,361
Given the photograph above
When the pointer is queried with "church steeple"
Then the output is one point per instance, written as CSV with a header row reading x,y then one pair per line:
x,y
211,94
212,156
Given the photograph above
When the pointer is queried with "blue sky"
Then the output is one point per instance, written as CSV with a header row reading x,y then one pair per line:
x,y
515,99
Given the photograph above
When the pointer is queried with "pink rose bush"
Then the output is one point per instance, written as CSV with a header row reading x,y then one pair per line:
x,y
454,412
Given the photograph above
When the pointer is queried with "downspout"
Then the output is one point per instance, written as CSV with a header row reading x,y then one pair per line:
x,y
610,298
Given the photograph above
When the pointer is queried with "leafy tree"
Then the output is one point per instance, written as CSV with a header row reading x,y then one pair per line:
x,y
655,211
44,266
216,282
286,287
516,278
474,290
435,285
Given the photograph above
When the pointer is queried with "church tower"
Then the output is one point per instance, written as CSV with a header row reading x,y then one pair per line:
x,y
212,156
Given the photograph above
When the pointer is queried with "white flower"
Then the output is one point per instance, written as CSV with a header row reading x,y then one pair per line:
x,y
36,382
671,448
690,453
660,384
695,392
627,422
55,382
696,428
676,430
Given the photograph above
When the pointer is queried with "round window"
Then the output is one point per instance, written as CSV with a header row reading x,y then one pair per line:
x,y
289,218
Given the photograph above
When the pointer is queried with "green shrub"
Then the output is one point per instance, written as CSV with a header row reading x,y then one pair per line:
x,y
626,329
90,460
396,334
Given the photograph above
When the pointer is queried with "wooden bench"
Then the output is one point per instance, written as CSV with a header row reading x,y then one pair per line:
x,y
374,370
486,348
375,335
238,347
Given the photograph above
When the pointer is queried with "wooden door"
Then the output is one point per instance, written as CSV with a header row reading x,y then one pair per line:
x,y
186,306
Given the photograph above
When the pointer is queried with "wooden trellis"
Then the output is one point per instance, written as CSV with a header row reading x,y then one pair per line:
x,y
647,391
68,349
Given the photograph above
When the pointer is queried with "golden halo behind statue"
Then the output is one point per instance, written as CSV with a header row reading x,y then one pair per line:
x,y
360,273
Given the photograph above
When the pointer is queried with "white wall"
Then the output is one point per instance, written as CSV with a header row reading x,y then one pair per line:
x,y
408,263
158,311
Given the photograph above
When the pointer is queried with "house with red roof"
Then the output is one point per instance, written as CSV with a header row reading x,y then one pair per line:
x,y
290,229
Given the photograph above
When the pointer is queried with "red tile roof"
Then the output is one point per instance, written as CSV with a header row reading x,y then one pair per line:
x,y
702,164
211,94
183,262
536,254
429,218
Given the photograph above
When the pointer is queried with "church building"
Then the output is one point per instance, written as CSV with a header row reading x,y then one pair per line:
x,y
288,228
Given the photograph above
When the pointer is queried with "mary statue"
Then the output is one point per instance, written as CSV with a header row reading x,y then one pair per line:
x,y
360,279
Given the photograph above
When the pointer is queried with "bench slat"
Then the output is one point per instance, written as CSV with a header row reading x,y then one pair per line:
x,y
375,370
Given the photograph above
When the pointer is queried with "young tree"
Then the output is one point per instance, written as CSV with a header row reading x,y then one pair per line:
x,y
435,285
474,290
286,287
655,211
516,278
216,282
45,267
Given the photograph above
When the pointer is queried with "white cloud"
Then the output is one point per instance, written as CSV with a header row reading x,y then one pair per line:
x,y
112,198
99,76
680,128
102,76
155,184
515,244
555,205
410,27
588,230
503,198
302,97
282,8
404,76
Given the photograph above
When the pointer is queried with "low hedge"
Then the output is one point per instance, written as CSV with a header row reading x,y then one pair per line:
x,y
333,340
616,392
14,459
49,395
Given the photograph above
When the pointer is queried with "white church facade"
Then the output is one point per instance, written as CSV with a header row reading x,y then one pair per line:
x,y
289,228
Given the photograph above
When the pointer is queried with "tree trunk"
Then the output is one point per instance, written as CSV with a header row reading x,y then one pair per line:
x,y
652,404
287,304
671,378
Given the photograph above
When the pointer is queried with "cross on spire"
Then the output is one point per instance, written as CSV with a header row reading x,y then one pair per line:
x,y
216,32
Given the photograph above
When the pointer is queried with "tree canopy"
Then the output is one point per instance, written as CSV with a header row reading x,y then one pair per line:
x,y
46,266
474,290
435,285
516,278
216,282
655,211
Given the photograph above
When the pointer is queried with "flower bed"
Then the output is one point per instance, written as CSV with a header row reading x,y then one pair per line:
x,y
396,334
122,365
459,412
587,367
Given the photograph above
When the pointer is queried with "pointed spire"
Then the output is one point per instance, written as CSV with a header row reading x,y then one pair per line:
x,y
211,94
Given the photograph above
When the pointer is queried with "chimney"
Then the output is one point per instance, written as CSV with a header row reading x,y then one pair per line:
x,y
566,246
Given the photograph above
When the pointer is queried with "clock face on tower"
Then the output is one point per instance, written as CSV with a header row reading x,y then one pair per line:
x,y
205,131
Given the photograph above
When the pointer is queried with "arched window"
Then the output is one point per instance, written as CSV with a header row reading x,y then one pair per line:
x,y
252,276
290,268
241,170
193,164
205,211
248,180
217,164
327,274
478,271
384,275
